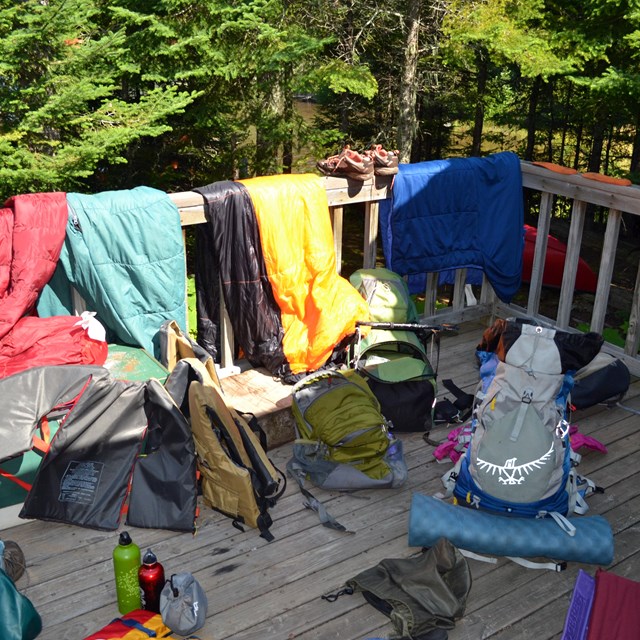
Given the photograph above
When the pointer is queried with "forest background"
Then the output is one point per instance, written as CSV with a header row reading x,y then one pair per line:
x,y
112,94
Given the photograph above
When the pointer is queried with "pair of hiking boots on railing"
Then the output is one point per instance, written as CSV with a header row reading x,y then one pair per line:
x,y
360,166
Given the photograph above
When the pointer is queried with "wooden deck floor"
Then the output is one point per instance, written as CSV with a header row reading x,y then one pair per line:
x,y
272,591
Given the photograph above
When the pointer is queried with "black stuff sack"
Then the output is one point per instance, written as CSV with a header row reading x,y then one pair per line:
x,y
605,380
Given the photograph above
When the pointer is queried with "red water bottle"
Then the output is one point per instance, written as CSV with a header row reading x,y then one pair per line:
x,y
151,578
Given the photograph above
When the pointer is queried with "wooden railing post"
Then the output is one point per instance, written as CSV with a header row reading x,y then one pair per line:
x,y
370,248
605,273
337,214
430,295
571,264
542,237
632,343
458,289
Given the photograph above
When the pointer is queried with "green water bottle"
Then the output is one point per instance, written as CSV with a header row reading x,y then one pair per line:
x,y
126,562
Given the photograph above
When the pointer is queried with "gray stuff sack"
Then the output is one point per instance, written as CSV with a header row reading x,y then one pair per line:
x,y
183,604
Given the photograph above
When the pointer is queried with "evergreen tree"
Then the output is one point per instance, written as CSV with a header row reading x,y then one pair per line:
x,y
65,108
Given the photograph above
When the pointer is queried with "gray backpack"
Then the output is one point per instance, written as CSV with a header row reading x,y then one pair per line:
x,y
519,460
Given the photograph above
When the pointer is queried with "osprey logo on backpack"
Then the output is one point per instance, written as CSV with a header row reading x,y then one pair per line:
x,y
519,460
511,474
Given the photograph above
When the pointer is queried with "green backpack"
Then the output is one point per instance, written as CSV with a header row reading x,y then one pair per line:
x,y
343,441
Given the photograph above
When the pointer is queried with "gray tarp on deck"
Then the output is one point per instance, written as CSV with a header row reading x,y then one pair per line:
x,y
84,476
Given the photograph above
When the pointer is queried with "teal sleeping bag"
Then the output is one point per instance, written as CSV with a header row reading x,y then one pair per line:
x,y
123,253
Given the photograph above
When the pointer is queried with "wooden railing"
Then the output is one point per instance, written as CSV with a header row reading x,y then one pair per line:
x,y
580,190
583,192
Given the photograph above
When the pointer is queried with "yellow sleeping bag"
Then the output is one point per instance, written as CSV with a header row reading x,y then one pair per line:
x,y
319,308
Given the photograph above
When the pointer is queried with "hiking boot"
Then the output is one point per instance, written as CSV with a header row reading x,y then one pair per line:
x,y
12,560
385,163
348,164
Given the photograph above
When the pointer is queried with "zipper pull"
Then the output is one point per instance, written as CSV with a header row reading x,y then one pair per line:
x,y
74,220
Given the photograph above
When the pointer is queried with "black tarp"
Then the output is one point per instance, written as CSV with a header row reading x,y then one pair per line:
x,y
229,251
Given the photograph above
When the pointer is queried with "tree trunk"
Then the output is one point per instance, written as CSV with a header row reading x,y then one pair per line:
x,y
407,120
565,118
576,157
482,62
607,151
595,157
635,152
531,118
595,164
346,49
268,146
288,113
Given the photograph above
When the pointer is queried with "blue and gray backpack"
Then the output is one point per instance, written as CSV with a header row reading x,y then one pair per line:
x,y
519,459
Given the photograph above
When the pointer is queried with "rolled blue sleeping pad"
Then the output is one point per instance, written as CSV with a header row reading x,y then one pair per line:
x,y
489,534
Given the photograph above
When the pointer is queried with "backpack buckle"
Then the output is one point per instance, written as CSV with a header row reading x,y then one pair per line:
x,y
562,429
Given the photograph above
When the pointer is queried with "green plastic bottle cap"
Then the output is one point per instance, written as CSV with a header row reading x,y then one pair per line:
x,y
125,538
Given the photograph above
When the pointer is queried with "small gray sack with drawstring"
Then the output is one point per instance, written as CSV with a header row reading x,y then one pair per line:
x,y
183,604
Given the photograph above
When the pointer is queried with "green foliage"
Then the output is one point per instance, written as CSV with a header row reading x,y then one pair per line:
x,y
63,110
340,77
512,31
111,94
612,335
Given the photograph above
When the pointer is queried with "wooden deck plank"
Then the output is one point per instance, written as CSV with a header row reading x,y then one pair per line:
x,y
263,591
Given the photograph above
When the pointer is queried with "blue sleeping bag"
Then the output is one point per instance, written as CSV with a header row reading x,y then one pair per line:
x,y
486,533
450,214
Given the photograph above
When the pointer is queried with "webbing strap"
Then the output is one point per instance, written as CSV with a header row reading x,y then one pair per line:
x,y
43,443
523,562
626,408
479,557
463,400
529,564
449,479
561,521
527,397
134,624
9,476
313,503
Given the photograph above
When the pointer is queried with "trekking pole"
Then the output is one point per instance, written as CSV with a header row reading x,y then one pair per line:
x,y
407,326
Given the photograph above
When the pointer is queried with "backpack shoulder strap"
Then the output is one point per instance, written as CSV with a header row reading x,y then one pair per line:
x,y
230,453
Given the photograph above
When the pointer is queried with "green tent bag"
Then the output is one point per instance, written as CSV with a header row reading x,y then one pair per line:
x,y
392,358
19,619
